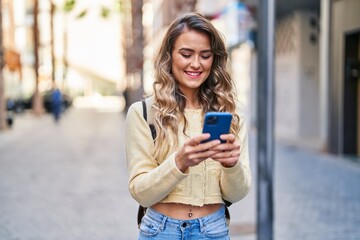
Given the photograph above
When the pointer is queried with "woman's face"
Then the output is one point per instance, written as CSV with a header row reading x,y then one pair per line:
x,y
191,60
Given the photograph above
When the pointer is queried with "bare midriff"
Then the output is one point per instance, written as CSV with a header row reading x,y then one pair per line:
x,y
184,211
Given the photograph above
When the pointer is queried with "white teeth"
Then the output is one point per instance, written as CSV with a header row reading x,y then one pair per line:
x,y
193,73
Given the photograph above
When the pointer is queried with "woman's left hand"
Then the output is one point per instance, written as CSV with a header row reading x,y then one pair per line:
x,y
228,152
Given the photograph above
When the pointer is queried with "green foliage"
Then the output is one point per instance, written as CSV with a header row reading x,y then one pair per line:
x,y
69,5
82,14
104,12
119,5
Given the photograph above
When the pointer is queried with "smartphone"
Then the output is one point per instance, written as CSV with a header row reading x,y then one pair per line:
x,y
217,123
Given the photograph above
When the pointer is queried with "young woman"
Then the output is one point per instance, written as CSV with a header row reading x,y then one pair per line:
x,y
183,182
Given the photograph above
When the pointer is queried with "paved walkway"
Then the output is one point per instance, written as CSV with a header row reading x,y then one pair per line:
x,y
68,181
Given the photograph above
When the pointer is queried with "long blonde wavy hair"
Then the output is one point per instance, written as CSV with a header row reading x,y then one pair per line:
x,y
215,94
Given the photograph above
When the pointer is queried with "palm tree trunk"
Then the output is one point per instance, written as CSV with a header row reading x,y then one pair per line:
x,y
52,12
37,104
134,54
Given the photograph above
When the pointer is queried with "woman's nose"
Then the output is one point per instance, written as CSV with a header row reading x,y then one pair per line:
x,y
195,63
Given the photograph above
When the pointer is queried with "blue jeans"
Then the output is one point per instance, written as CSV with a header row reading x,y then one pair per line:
x,y
155,225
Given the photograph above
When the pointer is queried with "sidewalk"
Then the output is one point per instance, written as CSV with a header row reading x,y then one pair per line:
x,y
65,181
68,181
316,197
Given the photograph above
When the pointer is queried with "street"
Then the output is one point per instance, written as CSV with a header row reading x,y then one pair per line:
x,y
68,181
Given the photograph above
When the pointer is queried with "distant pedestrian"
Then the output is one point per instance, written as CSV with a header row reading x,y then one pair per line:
x,y
183,182
56,103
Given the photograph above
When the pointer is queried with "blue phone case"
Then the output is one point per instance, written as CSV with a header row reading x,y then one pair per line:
x,y
217,123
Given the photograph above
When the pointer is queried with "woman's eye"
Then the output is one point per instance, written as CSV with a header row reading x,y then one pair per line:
x,y
186,55
206,57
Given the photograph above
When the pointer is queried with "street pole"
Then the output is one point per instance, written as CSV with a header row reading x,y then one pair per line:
x,y
265,119
324,70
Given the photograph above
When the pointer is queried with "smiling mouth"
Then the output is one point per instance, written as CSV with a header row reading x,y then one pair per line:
x,y
193,74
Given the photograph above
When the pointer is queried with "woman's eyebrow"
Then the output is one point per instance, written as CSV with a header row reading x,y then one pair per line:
x,y
192,50
186,49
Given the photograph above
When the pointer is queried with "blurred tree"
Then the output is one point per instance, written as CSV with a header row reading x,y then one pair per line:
x,y
52,36
37,103
68,7
12,56
184,6
133,44
2,95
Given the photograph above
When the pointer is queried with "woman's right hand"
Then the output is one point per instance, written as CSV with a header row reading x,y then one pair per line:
x,y
192,152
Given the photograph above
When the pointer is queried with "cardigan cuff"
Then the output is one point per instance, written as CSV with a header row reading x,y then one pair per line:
x,y
172,164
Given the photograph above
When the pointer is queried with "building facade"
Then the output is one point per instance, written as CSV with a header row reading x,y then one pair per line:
x,y
344,87
316,65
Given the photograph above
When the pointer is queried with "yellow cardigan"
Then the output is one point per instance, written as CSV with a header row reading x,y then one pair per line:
x,y
159,180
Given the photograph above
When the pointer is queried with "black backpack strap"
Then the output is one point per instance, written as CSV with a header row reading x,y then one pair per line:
x,y
152,126
144,109
141,213
142,210
227,213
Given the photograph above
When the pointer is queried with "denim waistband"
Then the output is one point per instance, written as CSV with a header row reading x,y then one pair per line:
x,y
159,217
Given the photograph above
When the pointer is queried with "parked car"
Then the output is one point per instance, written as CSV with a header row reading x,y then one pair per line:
x,y
13,106
16,105
46,96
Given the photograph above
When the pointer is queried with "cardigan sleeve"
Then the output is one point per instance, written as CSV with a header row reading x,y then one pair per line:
x,y
149,182
236,181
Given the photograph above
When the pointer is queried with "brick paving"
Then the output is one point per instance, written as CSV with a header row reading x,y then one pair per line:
x,y
68,181
317,197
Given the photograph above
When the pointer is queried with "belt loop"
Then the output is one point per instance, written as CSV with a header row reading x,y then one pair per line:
x,y
163,223
201,223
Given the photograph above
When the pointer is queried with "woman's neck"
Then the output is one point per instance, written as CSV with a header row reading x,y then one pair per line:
x,y
192,102
191,98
